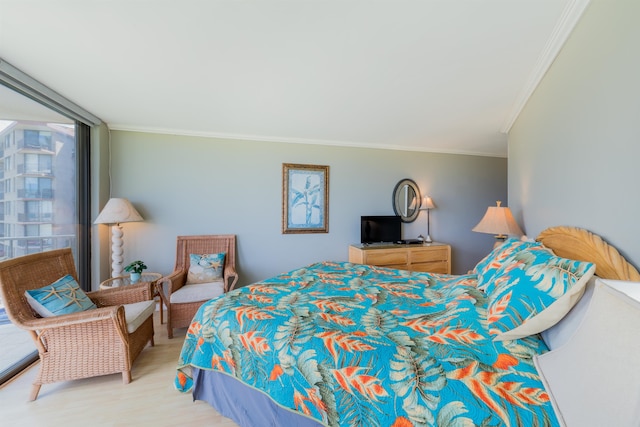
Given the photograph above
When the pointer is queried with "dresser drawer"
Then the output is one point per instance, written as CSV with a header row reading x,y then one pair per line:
x,y
388,258
434,258
441,267
439,254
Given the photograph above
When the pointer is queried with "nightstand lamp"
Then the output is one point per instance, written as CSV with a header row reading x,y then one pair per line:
x,y
427,205
498,220
115,212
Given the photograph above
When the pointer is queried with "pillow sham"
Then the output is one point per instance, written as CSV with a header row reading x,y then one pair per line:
x,y
204,268
534,292
498,257
63,296
594,378
561,332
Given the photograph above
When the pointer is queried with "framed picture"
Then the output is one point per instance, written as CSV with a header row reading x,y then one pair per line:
x,y
305,198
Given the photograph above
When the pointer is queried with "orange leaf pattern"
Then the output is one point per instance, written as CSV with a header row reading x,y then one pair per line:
x,y
462,335
253,342
498,309
334,340
251,313
336,318
352,381
349,344
260,298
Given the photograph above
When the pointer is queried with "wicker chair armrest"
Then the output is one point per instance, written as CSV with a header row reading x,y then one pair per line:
x,y
169,284
122,295
87,316
175,281
230,278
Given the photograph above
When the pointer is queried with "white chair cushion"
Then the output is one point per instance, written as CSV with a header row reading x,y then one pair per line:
x,y
197,292
136,313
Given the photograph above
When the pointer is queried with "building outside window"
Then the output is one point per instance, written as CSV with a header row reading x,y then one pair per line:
x,y
39,191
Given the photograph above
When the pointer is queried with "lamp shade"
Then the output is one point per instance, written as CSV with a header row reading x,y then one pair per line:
x,y
118,210
498,220
427,203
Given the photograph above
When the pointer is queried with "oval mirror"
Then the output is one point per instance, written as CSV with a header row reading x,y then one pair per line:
x,y
406,200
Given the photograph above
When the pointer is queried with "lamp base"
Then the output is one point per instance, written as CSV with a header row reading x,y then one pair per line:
x,y
428,239
500,239
116,250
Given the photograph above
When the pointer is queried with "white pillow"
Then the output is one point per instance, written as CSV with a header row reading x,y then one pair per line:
x,y
594,378
559,333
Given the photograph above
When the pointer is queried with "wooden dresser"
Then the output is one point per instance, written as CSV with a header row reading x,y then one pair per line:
x,y
429,257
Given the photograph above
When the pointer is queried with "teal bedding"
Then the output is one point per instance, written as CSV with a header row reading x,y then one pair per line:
x,y
348,344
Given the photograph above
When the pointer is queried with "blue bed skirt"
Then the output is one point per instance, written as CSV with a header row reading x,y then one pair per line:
x,y
244,405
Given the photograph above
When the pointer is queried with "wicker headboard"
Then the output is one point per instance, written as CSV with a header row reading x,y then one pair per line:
x,y
580,244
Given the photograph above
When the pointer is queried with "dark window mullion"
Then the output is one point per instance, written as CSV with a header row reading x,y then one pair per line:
x,y
83,138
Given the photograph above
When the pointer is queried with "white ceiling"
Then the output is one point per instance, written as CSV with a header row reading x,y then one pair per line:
x,y
425,75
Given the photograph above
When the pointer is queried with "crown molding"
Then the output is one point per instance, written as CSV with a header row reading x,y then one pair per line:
x,y
559,36
231,136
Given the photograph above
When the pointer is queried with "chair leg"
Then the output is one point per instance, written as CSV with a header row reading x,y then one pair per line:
x,y
169,328
126,377
34,392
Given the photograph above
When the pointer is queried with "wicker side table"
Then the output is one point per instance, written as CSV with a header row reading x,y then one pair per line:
x,y
126,280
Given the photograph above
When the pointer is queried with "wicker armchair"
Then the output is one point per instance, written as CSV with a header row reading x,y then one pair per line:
x,y
180,310
78,345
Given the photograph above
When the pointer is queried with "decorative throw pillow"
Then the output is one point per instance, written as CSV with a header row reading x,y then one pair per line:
x,y
499,256
63,296
205,268
534,292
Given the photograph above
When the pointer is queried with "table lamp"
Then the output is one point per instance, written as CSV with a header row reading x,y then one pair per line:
x,y
427,205
498,220
115,212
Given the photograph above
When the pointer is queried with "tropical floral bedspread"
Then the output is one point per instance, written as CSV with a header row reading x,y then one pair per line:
x,y
348,344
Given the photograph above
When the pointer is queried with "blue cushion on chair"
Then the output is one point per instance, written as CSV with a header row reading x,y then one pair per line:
x,y
205,268
63,296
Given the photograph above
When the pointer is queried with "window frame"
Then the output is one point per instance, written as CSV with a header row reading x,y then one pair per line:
x,y
16,80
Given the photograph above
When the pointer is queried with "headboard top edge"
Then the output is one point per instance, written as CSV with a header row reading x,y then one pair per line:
x,y
581,244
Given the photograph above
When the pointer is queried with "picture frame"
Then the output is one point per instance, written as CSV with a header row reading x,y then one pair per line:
x,y
305,198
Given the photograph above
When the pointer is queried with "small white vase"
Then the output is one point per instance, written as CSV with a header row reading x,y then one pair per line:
x,y
134,277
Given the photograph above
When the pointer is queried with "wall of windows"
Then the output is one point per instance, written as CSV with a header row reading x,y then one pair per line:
x,y
44,195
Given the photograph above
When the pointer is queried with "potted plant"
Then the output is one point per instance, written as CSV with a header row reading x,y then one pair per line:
x,y
135,269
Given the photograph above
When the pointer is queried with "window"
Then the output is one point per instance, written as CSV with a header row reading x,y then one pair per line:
x,y
36,188
37,139
46,211
39,209
37,164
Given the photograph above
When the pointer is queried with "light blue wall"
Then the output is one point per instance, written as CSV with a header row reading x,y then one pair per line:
x,y
574,150
186,185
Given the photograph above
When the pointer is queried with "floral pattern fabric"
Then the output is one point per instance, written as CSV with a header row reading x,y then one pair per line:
x,y
534,292
349,344
500,257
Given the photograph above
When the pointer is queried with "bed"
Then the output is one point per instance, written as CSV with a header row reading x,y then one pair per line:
x,y
337,344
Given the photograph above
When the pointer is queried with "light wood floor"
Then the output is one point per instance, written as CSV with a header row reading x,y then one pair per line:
x,y
150,398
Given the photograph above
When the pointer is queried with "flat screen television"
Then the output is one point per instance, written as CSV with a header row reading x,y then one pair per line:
x,y
380,229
